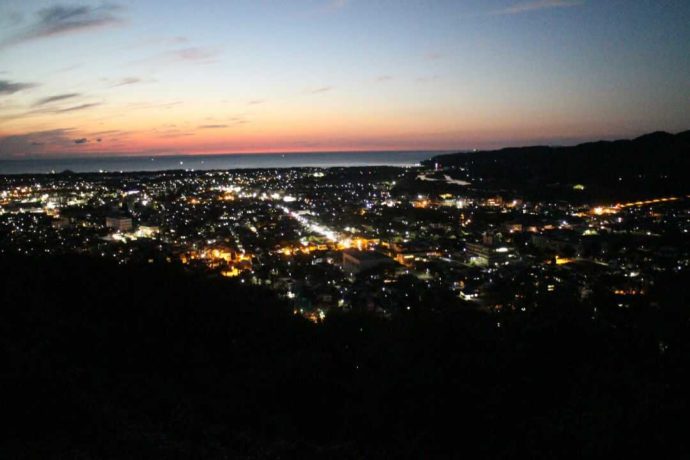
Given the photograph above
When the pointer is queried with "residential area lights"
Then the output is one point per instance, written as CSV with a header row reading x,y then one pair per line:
x,y
355,238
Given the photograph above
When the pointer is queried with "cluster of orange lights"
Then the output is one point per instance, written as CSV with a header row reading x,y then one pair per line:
x,y
307,249
647,202
231,273
564,260
227,197
349,243
235,262
628,292
602,210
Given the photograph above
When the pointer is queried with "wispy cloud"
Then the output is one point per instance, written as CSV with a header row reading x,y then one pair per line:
x,y
46,108
153,105
196,54
59,97
536,5
9,87
126,81
64,19
323,89
213,126
169,131
172,135
109,131
384,78
433,56
192,54
256,102
165,41
77,107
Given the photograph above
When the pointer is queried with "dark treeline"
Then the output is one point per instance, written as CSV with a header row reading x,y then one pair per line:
x,y
105,361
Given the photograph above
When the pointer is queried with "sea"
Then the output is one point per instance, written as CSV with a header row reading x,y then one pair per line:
x,y
214,162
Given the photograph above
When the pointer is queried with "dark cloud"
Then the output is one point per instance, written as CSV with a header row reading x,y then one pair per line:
x,y
59,97
63,19
212,126
82,140
9,87
35,142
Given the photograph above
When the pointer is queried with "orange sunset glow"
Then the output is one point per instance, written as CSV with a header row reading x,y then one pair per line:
x,y
317,75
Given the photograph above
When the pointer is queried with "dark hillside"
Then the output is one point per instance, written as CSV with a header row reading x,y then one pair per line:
x,y
107,361
657,163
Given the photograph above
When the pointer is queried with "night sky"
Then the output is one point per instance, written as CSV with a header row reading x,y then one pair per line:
x,y
213,76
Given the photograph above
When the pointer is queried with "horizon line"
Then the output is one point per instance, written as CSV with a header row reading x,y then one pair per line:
x,y
115,155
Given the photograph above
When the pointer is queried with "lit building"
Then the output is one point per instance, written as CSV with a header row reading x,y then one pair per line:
x,y
120,223
489,252
356,261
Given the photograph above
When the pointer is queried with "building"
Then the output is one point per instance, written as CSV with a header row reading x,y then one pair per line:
x,y
560,241
356,261
408,253
489,252
119,223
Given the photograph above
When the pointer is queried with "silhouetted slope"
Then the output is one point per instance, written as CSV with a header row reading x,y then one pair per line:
x,y
657,162
106,361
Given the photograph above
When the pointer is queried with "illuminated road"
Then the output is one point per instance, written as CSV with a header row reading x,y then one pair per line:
x,y
317,228
446,178
599,210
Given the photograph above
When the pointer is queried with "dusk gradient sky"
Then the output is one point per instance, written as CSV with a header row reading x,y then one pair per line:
x,y
221,76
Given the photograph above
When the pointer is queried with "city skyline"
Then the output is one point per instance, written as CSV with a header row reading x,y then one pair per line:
x,y
94,78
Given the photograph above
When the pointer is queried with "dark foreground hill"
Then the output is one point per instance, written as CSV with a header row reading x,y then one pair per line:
x,y
105,361
655,163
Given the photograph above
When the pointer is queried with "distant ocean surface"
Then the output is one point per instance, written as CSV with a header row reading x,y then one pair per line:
x,y
219,161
